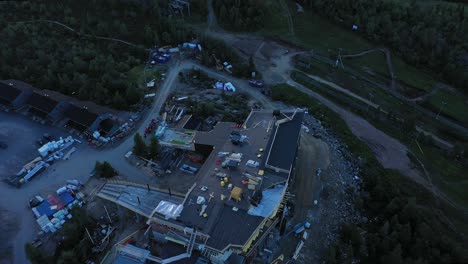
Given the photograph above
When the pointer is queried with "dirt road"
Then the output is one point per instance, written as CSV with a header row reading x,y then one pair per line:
x,y
389,151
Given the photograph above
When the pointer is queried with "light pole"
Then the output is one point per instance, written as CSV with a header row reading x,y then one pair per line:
x,y
371,97
338,59
440,109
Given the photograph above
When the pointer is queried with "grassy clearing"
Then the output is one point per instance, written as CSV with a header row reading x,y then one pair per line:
x,y
355,85
140,76
374,62
444,172
391,104
448,175
455,107
316,33
328,92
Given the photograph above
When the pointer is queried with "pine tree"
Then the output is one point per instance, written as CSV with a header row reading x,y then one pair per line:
x,y
118,101
139,146
153,148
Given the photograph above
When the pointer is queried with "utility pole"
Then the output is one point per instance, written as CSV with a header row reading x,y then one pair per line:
x,y
90,238
371,96
440,109
107,213
338,59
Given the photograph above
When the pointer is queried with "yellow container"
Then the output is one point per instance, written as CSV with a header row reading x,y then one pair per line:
x,y
226,179
222,183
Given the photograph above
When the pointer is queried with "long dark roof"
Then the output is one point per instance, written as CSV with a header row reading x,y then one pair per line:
x,y
283,149
80,115
8,92
42,103
233,228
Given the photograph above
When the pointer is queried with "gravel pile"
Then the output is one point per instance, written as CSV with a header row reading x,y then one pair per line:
x,y
335,203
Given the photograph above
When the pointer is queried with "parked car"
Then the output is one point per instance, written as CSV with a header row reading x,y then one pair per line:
x,y
3,145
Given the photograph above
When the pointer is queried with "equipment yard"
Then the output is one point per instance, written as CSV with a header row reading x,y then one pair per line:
x,y
21,135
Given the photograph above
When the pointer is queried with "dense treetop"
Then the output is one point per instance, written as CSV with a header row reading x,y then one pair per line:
x,y
240,15
51,57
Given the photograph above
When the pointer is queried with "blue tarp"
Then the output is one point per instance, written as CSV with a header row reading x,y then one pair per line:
x,y
44,209
270,200
66,198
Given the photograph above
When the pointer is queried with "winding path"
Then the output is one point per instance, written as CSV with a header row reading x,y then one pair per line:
x,y
76,32
212,22
284,5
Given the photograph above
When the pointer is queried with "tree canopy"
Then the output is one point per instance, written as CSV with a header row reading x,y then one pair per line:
x,y
104,169
50,56
240,15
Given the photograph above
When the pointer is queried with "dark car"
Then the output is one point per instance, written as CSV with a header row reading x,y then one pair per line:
x,y
40,142
3,145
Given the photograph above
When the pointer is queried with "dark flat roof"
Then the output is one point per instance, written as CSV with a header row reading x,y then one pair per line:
x,y
80,116
232,228
42,103
56,96
283,149
92,107
8,92
224,225
107,124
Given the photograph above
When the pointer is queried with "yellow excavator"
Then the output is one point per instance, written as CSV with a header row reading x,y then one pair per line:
x,y
219,66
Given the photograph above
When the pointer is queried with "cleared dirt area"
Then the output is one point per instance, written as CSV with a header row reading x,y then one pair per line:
x,y
20,134
324,187
313,154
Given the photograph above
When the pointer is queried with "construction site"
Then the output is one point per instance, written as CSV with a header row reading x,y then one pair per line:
x,y
236,199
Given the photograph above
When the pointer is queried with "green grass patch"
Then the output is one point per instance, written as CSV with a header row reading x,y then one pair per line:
x,y
141,76
447,174
316,33
375,63
376,95
328,92
382,184
453,106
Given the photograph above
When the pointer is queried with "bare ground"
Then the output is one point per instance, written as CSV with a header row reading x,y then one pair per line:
x,y
330,189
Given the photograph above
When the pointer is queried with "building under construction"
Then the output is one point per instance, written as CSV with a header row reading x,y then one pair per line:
x,y
237,199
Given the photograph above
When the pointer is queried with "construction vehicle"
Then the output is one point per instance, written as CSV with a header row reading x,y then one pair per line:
x,y
256,83
150,127
278,260
299,228
227,67
219,66
195,158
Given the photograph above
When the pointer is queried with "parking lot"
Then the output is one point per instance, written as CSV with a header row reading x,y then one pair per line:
x,y
20,134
